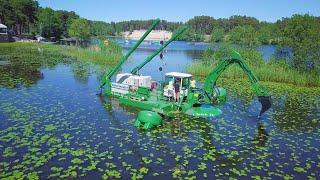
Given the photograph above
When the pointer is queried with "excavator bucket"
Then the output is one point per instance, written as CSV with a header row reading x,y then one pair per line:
x,y
265,103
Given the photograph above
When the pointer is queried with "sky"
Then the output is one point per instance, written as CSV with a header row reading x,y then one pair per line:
x,y
183,10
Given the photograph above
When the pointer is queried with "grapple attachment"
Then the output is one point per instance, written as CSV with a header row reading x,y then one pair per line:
x,y
265,103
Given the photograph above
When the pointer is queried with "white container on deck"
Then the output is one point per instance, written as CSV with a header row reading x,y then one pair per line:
x,y
119,88
134,81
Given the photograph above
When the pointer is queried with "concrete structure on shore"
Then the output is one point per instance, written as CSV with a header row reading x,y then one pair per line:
x,y
154,35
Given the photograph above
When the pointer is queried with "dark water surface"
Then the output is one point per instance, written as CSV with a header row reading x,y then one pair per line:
x,y
53,125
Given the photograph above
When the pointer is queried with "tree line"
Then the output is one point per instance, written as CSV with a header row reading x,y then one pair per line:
x,y
27,17
301,33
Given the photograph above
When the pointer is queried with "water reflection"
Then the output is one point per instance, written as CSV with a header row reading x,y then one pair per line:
x,y
17,73
174,60
23,68
60,122
81,71
262,135
195,49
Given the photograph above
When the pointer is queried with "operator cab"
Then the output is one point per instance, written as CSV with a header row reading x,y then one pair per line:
x,y
184,80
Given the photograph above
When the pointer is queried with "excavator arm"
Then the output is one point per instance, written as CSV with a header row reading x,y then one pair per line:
x,y
259,90
149,58
106,78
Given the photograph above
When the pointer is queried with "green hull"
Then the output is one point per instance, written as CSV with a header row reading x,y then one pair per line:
x,y
155,102
161,107
148,120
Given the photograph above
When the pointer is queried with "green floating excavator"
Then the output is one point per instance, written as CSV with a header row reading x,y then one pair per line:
x,y
159,99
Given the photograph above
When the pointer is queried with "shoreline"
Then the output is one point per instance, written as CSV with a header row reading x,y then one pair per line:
x,y
155,35
100,58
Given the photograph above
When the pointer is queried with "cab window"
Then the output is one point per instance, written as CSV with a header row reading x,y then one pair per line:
x,y
168,79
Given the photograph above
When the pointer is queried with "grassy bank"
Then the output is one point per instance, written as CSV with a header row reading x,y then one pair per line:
x,y
22,61
272,71
102,54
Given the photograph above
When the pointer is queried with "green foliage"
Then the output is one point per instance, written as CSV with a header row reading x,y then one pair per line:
x,y
78,152
202,24
49,23
79,28
66,18
268,33
50,127
272,71
8,152
143,170
251,56
18,14
200,146
33,176
77,161
52,23
302,34
190,35
206,24
23,67
109,174
217,35
236,20
299,169
244,35
146,160
202,166
100,28
143,24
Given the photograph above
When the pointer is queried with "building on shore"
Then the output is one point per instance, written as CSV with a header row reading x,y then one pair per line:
x,y
72,41
4,33
68,41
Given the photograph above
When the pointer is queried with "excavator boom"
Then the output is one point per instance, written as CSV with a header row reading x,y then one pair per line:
x,y
106,77
259,90
149,58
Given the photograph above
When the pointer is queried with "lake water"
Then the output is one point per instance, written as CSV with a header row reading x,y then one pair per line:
x,y
53,125
177,56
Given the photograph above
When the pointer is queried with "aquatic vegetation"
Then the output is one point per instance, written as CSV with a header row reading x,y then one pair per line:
x,y
33,176
58,128
77,161
299,169
8,152
23,68
50,127
111,174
